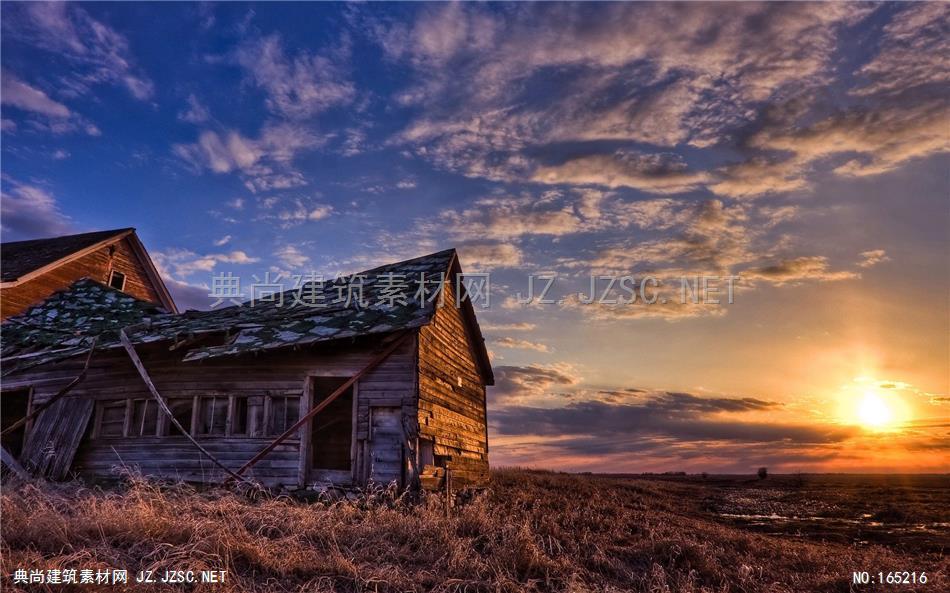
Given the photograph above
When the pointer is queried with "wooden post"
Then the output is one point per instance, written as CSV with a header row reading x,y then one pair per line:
x,y
412,453
11,462
448,492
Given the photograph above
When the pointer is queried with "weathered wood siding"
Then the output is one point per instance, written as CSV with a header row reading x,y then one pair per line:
x,y
452,395
96,265
111,376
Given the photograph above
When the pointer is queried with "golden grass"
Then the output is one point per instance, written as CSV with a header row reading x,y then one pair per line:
x,y
533,531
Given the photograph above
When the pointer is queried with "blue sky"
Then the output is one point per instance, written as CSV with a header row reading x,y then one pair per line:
x,y
801,147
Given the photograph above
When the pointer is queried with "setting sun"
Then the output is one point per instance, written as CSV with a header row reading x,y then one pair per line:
x,y
874,404
874,412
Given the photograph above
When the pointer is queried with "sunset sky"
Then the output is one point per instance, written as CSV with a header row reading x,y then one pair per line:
x,y
800,147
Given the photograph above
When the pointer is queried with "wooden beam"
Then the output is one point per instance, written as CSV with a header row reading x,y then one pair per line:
x,y
329,400
413,453
11,462
57,395
164,407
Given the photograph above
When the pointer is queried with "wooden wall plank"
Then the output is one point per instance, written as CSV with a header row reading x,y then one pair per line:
x,y
451,406
96,265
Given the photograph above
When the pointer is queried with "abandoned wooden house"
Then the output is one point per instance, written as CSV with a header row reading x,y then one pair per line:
x,y
305,387
33,270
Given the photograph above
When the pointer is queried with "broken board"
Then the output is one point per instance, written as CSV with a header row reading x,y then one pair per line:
x,y
55,436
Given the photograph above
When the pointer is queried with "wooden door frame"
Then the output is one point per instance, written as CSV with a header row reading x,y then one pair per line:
x,y
304,468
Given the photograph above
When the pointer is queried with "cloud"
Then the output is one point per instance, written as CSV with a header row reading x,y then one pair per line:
x,y
293,212
654,173
223,241
508,342
669,306
319,212
298,86
732,245
668,76
872,258
30,212
686,418
508,217
181,263
291,256
797,269
196,112
188,296
517,326
708,237
878,139
524,383
573,425
40,110
661,74
95,52
911,51
488,255
264,163
759,176
18,94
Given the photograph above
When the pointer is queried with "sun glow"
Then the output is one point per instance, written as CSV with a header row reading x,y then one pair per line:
x,y
874,404
873,411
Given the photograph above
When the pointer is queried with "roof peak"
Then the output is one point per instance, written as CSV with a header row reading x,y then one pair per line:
x,y
104,233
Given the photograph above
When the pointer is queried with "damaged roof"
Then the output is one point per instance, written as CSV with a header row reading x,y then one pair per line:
x,y
22,257
64,325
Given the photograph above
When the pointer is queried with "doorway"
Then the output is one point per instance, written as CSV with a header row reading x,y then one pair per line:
x,y
331,433
386,456
14,406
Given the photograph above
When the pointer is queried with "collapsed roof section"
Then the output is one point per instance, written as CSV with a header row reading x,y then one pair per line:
x,y
64,325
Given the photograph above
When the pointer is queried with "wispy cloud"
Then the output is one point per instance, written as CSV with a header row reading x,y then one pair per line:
x,y
30,212
17,93
291,256
797,269
298,86
531,382
97,53
519,344
621,80
43,112
181,263
873,257
196,112
265,163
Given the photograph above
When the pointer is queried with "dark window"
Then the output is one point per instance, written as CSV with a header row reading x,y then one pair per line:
x,y
181,410
112,419
144,418
255,416
239,416
14,406
213,415
284,412
117,280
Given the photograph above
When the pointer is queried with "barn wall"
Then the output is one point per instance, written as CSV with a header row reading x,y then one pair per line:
x,y
111,376
96,265
452,415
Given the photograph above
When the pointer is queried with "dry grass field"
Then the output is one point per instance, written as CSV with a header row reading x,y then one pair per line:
x,y
531,531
